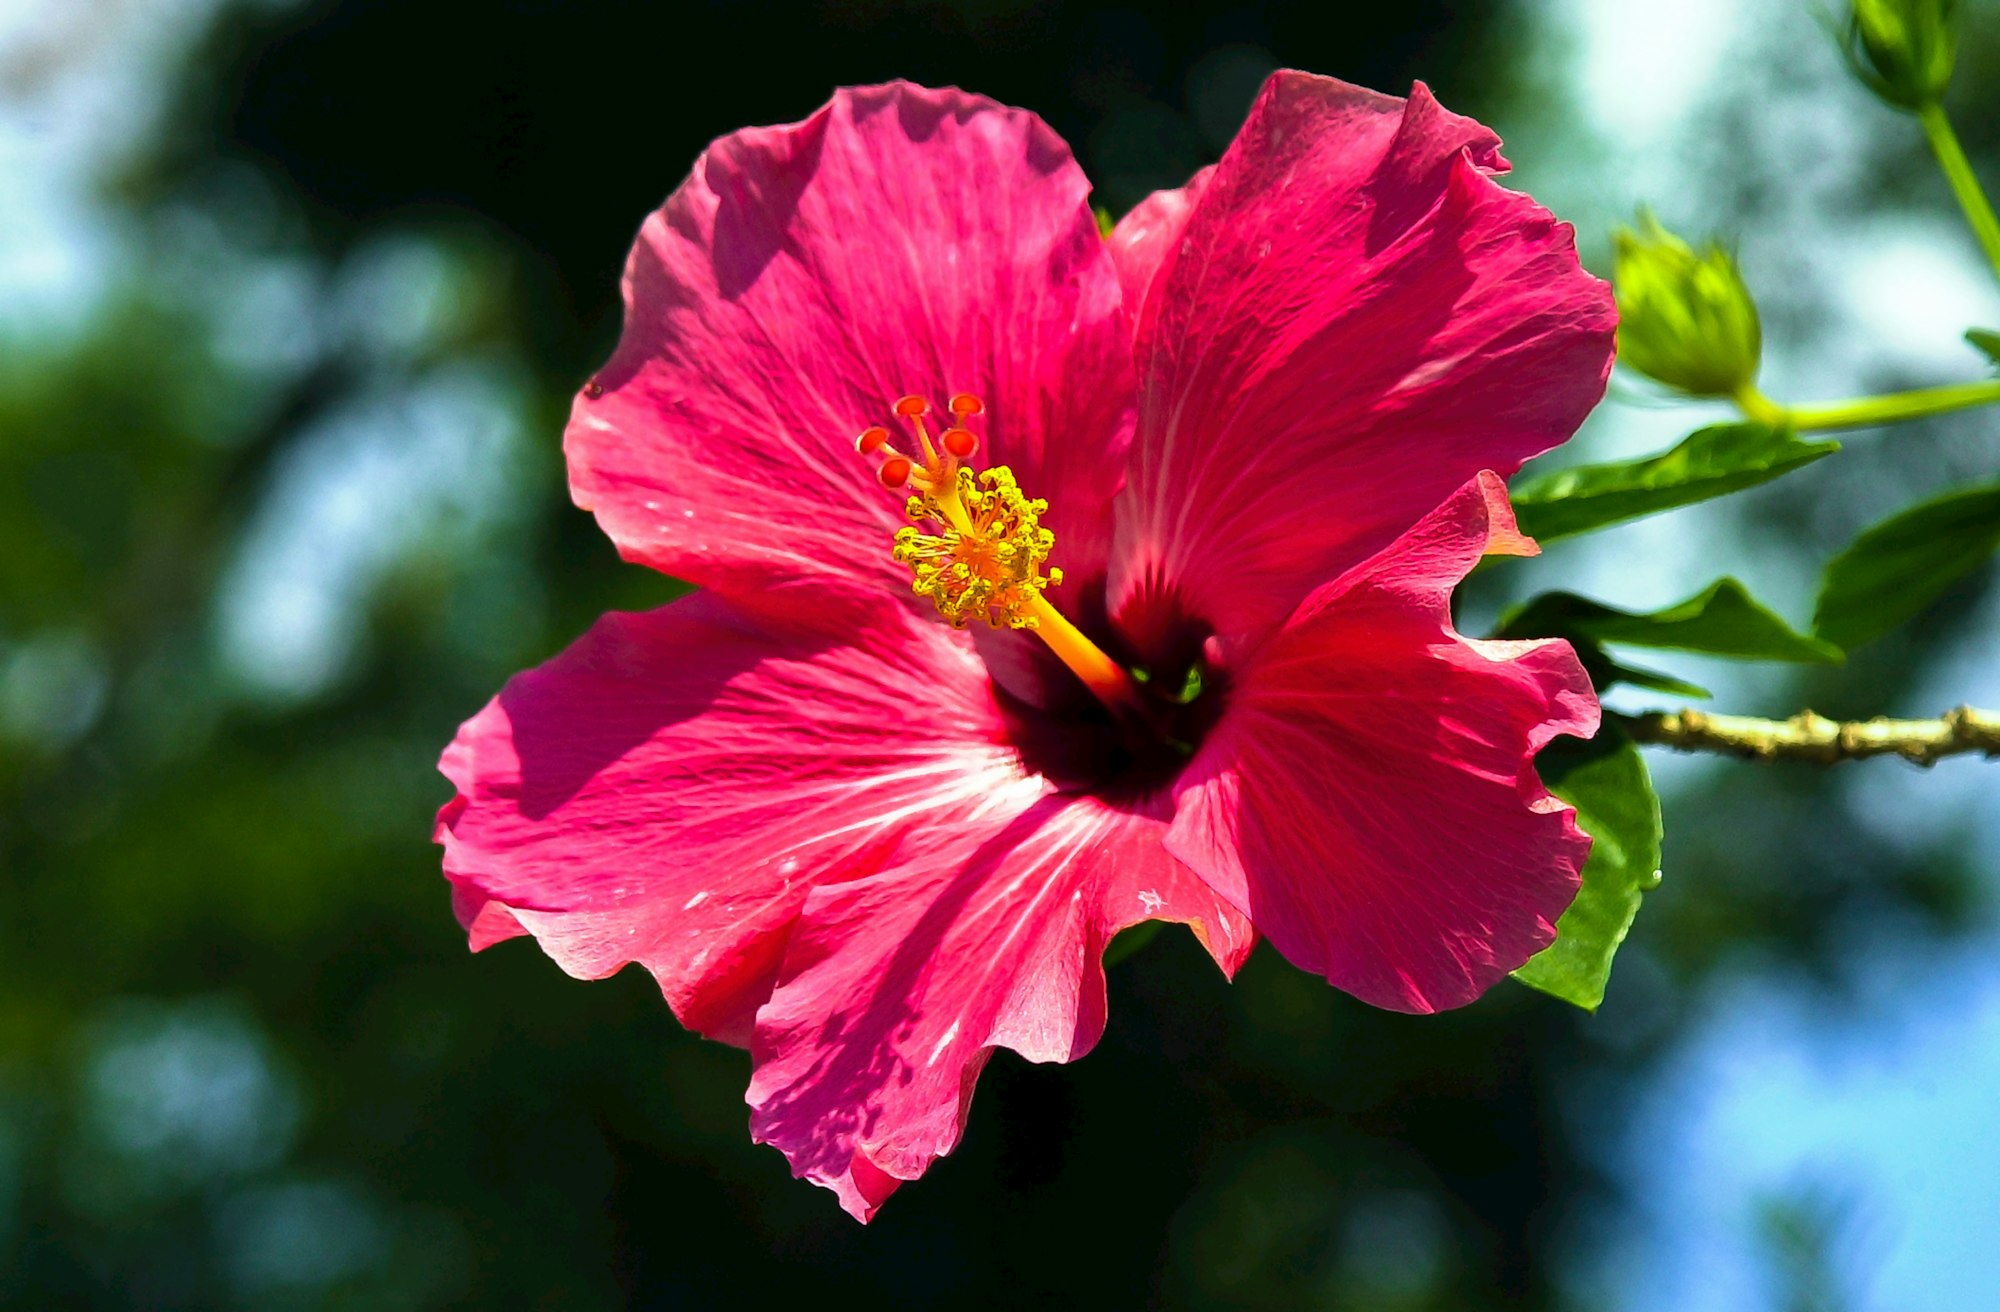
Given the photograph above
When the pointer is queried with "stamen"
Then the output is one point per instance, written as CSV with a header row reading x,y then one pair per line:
x,y
976,548
985,562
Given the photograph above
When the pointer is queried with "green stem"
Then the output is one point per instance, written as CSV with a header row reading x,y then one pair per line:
x,y
1958,171
1896,407
1869,411
1755,405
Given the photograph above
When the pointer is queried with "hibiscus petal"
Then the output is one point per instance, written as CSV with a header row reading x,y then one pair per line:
x,y
1369,796
897,988
1148,233
669,788
1354,320
899,241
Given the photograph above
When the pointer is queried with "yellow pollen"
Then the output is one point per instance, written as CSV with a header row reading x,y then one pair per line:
x,y
984,559
976,547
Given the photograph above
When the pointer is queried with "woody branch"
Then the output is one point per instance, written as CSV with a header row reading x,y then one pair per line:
x,y
1814,738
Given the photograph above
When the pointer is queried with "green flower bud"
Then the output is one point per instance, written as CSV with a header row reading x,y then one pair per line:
x,y
1903,49
1684,316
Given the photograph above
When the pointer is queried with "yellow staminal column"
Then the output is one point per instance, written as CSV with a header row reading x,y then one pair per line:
x,y
976,548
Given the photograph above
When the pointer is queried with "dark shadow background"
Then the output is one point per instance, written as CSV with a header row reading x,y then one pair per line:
x,y
245,1060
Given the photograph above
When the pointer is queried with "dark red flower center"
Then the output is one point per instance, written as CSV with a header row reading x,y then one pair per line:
x,y
1082,745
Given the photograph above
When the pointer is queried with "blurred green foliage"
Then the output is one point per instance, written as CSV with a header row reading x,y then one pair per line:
x,y
1898,567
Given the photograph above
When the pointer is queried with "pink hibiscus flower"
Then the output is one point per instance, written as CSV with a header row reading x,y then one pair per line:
x,y
1213,680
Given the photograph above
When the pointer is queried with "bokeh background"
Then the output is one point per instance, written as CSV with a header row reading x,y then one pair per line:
x,y
293,294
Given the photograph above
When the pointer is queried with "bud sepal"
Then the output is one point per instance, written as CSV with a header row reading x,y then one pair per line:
x,y
1685,317
1904,50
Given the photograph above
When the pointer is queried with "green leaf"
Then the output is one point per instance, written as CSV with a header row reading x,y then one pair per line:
x,y
1605,672
1986,340
1899,567
1606,781
1721,620
1128,941
1105,223
1711,463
